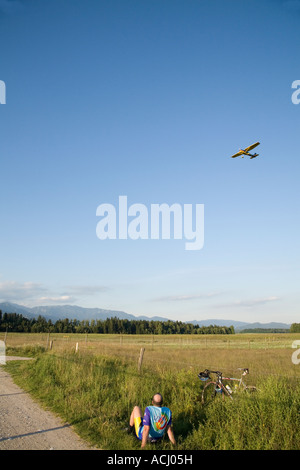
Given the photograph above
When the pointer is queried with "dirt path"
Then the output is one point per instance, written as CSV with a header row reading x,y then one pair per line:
x,y
24,425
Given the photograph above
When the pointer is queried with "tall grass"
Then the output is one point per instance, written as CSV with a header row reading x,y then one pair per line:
x,y
97,393
263,421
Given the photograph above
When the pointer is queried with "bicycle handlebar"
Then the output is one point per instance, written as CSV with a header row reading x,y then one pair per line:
x,y
205,374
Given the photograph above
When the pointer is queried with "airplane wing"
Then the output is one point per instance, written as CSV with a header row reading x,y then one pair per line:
x,y
251,147
237,154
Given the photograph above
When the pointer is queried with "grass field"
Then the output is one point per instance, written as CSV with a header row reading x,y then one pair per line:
x,y
96,387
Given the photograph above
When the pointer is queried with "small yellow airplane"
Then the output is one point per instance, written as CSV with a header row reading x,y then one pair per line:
x,y
246,151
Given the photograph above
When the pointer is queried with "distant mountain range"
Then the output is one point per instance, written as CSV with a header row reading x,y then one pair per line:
x,y
73,312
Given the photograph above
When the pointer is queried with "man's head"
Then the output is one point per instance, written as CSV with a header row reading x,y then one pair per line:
x,y
157,399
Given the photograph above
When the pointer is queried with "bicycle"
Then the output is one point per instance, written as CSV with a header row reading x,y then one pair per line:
x,y
216,388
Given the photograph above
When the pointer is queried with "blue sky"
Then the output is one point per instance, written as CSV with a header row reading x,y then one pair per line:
x,y
148,99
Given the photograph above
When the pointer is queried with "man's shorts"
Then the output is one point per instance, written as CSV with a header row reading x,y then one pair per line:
x,y
138,426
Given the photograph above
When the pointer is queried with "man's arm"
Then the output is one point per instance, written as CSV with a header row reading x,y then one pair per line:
x,y
146,431
171,435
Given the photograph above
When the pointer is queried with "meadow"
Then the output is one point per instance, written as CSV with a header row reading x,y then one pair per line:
x,y
93,382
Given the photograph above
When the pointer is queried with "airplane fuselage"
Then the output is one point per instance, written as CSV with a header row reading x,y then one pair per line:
x,y
252,155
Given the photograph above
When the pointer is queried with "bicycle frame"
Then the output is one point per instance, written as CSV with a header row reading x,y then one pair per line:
x,y
240,381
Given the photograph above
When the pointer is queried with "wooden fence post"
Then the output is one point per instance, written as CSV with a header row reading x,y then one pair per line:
x,y
141,359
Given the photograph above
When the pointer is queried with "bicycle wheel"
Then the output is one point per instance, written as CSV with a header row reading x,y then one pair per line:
x,y
211,392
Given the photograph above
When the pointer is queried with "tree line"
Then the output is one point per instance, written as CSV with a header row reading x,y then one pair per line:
x,y
15,322
295,328
266,330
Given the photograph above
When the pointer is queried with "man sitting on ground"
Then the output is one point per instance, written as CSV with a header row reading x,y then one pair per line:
x,y
156,421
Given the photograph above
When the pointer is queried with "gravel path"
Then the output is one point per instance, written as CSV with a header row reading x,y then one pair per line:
x,y
24,425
